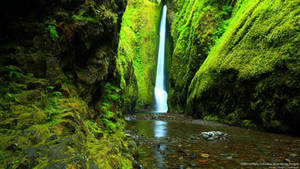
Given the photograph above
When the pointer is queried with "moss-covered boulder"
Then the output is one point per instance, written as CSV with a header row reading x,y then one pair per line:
x,y
252,75
137,52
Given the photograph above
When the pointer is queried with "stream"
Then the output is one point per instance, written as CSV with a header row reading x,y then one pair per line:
x,y
169,141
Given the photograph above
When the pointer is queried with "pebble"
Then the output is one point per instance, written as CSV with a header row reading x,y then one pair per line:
x,y
226,155
205,155
193,165
214,135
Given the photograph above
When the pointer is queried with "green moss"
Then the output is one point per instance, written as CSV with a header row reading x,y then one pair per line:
x,y
194,30
138,46
108,107
253,69
211,118
48,114
248,123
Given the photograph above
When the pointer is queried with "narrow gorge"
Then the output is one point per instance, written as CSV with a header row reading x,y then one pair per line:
x,y
149,84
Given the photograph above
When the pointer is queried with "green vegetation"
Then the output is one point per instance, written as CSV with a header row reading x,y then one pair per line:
x,y
111,97
80,17
196,26
52,102
137,51
13,72
211,118
57,109
252,70
52,32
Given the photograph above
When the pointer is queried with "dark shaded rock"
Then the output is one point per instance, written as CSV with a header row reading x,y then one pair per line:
x,y
34,85
52,69
68,127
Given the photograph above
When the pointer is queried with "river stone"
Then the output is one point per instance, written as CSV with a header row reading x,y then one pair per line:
x,y
213,135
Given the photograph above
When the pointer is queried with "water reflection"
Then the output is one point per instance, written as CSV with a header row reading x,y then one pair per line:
x,y
160,129
161,144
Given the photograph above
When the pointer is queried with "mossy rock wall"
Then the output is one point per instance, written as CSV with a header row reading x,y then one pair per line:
x,y
194,29
137,52
60,104
252,75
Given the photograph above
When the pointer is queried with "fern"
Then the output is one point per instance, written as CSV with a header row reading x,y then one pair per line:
x,y
80,17
57,93
52,32
12,97
14,71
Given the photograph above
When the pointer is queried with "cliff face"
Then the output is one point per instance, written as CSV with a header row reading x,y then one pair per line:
x,y
246,71
194,30
60,104
137,52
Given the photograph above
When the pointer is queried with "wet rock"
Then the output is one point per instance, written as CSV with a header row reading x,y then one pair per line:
x,y
136,165
34,85
213,135
158,146
204,155
226,155
223,155
193,165
229,157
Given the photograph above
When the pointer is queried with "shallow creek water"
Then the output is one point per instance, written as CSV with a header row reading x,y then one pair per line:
x,y
164,143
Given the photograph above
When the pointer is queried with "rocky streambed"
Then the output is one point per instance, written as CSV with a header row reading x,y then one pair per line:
x,y
174,141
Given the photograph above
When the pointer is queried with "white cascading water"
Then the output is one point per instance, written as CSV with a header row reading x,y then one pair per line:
x,y
160,93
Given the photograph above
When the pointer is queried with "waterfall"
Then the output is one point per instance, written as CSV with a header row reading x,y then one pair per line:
x,y
160,93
